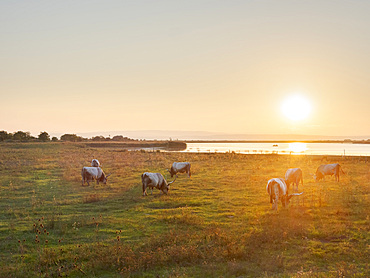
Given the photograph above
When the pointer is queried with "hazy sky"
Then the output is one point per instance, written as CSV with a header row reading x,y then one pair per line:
x,y
223,66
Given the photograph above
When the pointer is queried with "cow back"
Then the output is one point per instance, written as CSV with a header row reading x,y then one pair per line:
x,y
293,175
328,169
177,166
96,172
156,179
281,184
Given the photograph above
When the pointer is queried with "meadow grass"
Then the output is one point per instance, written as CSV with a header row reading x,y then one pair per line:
x,y
218,223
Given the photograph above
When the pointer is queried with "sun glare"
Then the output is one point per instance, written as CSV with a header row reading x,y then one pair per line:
x,y
297,147
296,107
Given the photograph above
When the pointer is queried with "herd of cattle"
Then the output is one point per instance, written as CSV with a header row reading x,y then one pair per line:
x,y
277,188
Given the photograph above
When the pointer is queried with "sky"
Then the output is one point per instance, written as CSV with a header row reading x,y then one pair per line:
x,y
215,66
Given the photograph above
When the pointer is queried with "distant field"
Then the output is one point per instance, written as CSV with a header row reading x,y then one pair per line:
x,y
218,223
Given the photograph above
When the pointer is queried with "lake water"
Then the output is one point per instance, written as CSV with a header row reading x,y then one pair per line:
x,y
347,149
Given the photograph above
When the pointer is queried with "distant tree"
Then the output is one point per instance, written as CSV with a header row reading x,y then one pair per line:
x,y
22,136
5,135
98,138
118,138
44,136
121,138
54,139
71,137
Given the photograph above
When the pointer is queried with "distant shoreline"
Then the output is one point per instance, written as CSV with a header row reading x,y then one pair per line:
x,y
279,141
179,146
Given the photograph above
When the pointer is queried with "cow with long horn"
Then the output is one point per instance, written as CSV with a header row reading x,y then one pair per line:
x,y
93,173
277,189
328,170
180,167
151,180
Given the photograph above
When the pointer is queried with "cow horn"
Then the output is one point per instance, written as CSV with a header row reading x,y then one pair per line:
x,y
173,180
108,175
295,194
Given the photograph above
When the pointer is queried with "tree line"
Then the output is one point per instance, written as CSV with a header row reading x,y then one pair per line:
x,y
45,137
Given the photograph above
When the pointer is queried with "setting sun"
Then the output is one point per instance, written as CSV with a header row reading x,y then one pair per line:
x,y
296,107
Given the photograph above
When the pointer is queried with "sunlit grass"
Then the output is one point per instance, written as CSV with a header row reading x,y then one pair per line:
x,y
218,223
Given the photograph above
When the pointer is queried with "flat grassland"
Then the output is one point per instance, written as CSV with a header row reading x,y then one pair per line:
x,y
218,223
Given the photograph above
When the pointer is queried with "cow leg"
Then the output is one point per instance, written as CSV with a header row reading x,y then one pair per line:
x,y
288,185
144,190
337,172
275,204
276,192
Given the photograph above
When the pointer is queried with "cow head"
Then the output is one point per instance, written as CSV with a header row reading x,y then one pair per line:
x,y
104,178
319,176
172,172
287,198
166,187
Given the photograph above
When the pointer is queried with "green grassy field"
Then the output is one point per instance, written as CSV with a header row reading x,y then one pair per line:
x,y
218,223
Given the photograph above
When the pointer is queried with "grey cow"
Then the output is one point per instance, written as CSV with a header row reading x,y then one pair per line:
x,y
93,173
180,167
278,190
293,176
95,163
151,180
328,169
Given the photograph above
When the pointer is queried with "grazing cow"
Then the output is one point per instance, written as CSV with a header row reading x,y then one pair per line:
x,y
151,180
328,169
93,173
277,189
293,176
95,163
180,167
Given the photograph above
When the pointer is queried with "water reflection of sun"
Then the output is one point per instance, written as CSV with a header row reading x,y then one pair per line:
x,y
297,147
